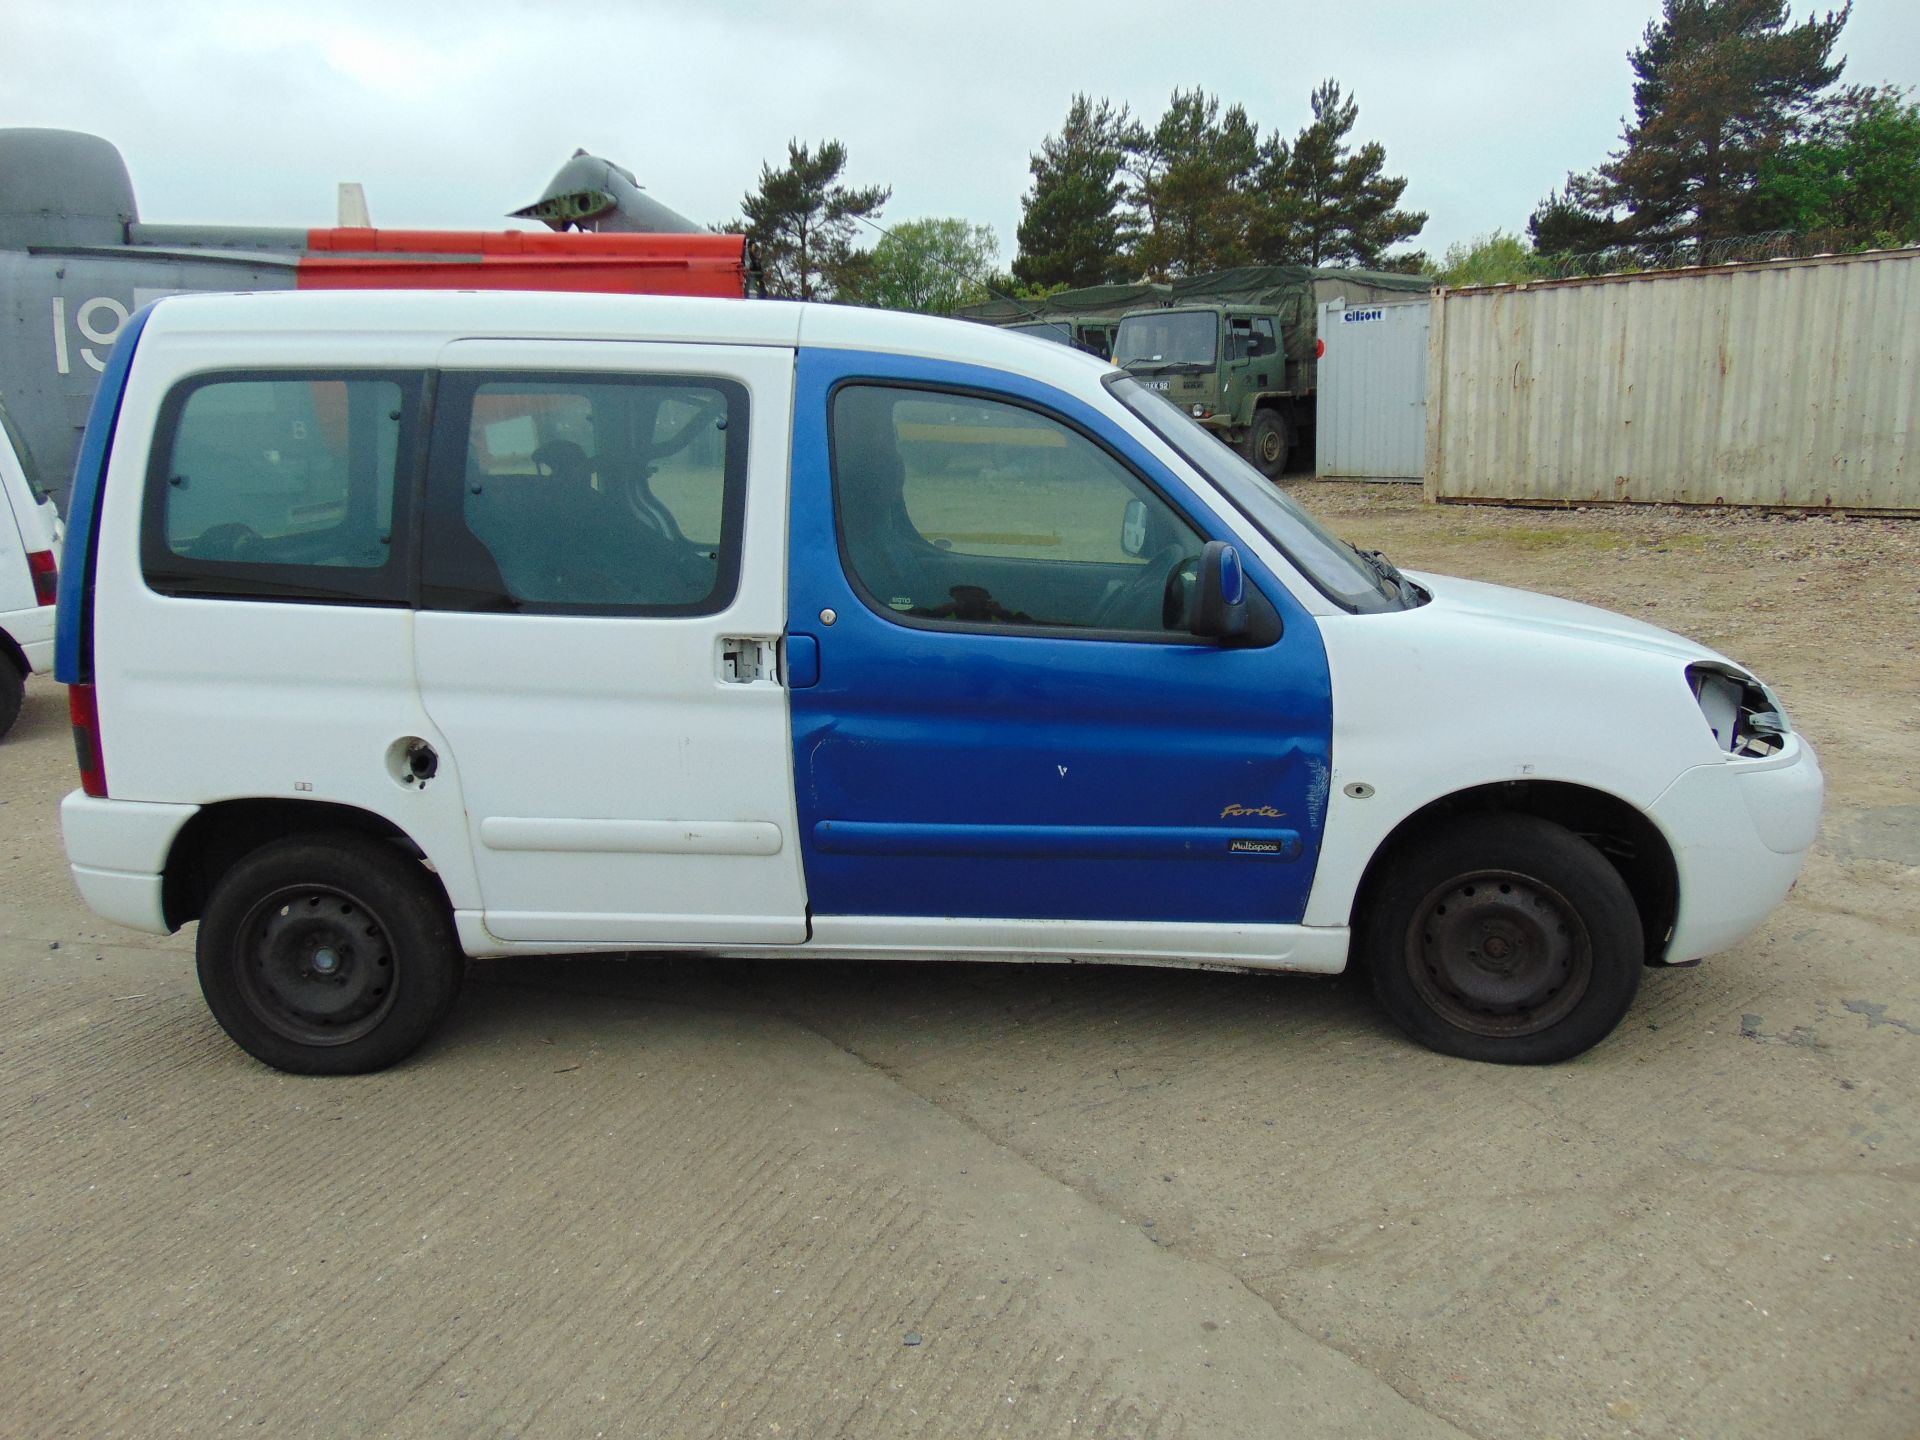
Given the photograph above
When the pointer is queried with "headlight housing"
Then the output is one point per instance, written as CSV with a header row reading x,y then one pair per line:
x,y
1747,721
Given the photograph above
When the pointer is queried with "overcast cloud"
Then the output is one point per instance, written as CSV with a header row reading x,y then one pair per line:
x,y
451,114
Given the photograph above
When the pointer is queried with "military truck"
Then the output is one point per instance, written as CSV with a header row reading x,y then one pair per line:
x,y
1236,349
1086,318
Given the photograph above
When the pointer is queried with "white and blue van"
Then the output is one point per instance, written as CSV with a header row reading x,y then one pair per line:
x,y
403,628
30,535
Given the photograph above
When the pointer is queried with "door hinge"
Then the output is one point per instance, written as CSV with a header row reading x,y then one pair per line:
x,y
746,660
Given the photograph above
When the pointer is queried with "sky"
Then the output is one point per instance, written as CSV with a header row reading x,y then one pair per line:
x,y
452,114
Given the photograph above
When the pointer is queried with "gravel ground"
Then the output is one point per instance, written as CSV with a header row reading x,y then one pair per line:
x,y
673,1198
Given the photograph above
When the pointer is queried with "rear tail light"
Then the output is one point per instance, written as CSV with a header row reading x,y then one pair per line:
x,y
46,576
84,706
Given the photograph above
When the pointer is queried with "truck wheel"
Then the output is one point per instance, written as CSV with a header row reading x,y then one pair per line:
x,y
13,690
1267,444
1505,938
327,954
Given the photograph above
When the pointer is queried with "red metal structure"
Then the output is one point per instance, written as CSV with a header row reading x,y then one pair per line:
x,y
612,263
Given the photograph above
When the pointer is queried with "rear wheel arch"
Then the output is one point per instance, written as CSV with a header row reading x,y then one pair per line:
x,y
221,835
1623,834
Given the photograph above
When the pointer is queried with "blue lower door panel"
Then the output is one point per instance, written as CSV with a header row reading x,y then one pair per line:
x,y
993,776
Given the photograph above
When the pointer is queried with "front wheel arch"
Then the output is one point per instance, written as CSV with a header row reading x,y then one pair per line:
x,y
1620,831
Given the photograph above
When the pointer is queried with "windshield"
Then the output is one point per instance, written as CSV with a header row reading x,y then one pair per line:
x,y
23,455
1166,337
1333,565
1045,330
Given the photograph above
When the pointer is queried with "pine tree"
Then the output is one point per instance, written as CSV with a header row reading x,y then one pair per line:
x,y
1322,203
803,221
1070,228
1572,221
1187,187
1719,87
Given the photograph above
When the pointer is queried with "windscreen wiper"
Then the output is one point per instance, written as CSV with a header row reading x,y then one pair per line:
x,y
1409,593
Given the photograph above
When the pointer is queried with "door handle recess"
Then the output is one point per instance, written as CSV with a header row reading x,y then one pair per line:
x,y
749,659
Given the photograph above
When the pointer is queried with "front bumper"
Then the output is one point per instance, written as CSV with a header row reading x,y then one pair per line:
x,y
1740,831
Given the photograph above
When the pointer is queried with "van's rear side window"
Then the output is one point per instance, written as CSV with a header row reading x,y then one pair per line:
x,y
283,486
585,494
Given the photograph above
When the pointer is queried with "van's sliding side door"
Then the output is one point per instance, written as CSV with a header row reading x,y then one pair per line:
x,y
603,595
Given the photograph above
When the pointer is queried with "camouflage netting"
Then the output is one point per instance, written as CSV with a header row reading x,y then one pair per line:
x,y
1093,300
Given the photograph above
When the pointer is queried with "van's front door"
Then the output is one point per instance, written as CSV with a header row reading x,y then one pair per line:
x,y
1004,727
598,638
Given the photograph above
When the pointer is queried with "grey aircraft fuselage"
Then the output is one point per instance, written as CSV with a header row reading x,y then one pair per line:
x,y
76,262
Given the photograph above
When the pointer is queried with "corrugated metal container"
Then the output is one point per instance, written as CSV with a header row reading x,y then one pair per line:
x,y
1370,414
1791,383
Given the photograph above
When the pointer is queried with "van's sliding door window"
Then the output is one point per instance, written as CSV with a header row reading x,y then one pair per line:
x,y
586,494
282,487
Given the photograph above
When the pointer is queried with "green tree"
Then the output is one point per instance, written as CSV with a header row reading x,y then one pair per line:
x,y
1498,258
803,221
1070,227
1187,187
1856,177
1572,221
933,266
1324,203
1719,87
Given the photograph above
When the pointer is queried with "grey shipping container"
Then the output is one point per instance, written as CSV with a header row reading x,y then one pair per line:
x,y
1791,383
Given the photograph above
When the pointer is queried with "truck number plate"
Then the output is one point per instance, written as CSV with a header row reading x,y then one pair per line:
x,y
1156,384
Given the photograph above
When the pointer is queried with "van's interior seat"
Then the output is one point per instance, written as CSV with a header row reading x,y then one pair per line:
x,y
559,539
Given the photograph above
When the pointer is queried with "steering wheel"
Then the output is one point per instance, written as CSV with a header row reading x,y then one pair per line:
x,y
1140,601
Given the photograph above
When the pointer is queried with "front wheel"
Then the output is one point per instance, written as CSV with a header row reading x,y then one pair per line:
x,y
1504,938
1267,444
327,955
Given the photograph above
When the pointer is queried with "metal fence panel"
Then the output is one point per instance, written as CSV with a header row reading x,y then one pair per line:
x,y
1791,383
1371,413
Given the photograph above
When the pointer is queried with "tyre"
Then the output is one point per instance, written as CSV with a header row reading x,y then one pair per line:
x,y
1267,444
13,690
329,954
1504,938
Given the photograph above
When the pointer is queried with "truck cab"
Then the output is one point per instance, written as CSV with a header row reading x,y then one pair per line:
x,y
1223,365
403,629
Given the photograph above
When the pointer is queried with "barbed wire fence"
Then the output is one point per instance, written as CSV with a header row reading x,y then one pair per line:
x,y
1682,254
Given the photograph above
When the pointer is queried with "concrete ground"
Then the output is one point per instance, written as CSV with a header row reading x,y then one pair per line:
x,y
674,1198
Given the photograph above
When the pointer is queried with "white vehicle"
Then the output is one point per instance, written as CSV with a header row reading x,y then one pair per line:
x,y
409,627
30,534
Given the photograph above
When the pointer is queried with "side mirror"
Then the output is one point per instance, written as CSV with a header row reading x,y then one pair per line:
x,y
1220,601
1133,529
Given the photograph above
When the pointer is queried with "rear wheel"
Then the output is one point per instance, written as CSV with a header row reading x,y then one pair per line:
x,y
1267,444
328,954
1505,938
13,690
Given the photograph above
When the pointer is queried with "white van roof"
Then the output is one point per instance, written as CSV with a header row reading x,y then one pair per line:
x,y
413,316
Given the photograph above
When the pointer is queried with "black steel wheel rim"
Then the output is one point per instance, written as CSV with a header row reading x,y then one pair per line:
x,y
315,965
1499,954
